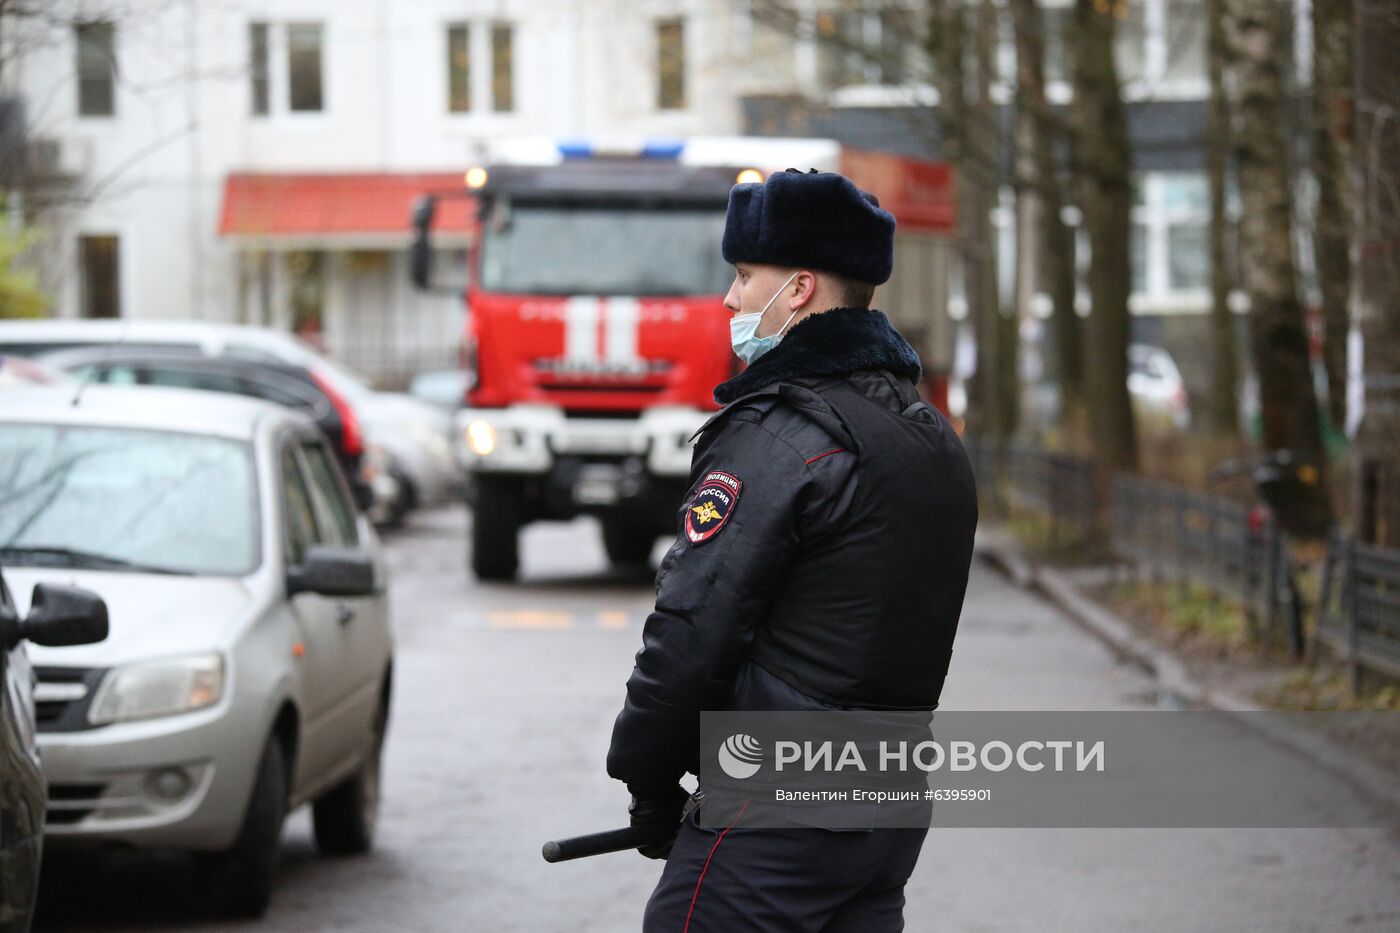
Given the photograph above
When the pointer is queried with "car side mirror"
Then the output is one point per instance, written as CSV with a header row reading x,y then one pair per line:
x,y
58,616
332,571
420,254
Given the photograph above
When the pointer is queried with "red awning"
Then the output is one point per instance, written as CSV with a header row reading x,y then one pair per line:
x,y
919,194
370,209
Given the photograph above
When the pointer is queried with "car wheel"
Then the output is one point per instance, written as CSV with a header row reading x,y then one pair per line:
x,y
345,817
496,520
405,502
239,879
628,544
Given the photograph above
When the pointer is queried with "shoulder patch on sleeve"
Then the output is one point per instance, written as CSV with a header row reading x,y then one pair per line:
x,y
711,506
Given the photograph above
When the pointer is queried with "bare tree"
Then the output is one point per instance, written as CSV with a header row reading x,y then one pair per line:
x,y
1041,134
1333,74
1002,323
968,126
1224,411
1278,333
1377,281
1102,163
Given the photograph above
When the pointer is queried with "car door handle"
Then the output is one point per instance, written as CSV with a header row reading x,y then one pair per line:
x,y
344,614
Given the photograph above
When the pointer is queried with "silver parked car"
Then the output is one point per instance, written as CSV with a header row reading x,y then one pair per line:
x,y
1156,387
249,661
413,437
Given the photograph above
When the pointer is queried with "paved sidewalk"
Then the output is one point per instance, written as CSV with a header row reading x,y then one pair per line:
x,y
1017,650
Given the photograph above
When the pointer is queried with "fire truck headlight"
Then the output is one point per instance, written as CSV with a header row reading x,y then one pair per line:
x,y
481,438
749,176
476,176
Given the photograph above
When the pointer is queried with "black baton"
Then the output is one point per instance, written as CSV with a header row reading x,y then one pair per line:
x,y
614,840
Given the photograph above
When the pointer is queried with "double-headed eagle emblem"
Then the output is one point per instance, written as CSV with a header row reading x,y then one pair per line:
x,y
706,512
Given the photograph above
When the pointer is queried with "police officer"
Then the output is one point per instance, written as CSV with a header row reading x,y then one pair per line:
x,y
821,561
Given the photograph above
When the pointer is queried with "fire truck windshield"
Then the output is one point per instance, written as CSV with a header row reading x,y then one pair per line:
x,y
551,249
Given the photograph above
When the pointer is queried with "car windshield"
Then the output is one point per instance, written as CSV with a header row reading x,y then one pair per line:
x,y
442,387
121,499
573,250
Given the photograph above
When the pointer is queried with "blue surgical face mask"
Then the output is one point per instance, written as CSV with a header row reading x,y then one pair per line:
x,y
747,346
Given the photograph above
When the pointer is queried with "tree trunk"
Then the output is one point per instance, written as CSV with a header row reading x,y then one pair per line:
x,y
1377,282
1040,131
1278,334
969,137
1002,323
1102,165
1332,118
1225,375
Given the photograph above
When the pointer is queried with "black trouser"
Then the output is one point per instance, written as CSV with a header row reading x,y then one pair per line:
x,y
801,879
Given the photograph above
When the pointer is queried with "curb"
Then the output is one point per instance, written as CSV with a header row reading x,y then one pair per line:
x,y
1174,683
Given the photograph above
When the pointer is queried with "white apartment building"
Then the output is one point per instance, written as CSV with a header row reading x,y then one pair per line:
x,y
254,160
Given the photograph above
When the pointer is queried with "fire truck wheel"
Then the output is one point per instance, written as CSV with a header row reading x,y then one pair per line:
x,y
627,543
495,549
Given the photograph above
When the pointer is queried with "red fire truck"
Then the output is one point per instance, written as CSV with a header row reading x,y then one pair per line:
x,y
596,331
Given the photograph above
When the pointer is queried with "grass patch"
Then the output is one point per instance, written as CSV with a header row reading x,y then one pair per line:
x,y
1191,620
1327,688
1061,545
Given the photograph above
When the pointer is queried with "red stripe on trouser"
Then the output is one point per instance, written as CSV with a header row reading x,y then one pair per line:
x,y
706,867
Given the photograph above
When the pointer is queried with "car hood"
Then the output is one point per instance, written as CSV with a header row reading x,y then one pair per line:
x,y
397,408
403,424
149,615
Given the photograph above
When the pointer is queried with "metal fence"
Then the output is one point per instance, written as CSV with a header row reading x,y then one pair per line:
x,y
1062,488
1192,537
1222,545
1359,608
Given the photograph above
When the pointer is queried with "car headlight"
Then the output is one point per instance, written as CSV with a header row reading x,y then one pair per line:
x,y
481,438
158,688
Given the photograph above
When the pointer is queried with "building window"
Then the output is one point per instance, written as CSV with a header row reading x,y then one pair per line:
x,y
257,68
97,69
304,54
896,30
1130,43
101,280
1186,213
1137,257
459,71
670,64
864,47
1188,256
502,68
840,37
1185,52
1171,236
1056,23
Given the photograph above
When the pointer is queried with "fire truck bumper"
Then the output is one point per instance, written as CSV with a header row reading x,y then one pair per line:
x,y
537,439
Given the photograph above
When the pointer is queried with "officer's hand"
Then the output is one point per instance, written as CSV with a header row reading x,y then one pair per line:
x,y
653,808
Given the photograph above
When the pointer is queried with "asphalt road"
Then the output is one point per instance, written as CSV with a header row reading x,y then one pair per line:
x,y
504,701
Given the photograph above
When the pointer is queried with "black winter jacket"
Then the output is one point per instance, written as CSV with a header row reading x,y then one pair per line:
x,y
822,551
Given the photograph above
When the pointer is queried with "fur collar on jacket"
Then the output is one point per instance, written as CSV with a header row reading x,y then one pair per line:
x,y
831,343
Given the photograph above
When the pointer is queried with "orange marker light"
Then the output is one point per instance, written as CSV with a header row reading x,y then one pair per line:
x,y
298,650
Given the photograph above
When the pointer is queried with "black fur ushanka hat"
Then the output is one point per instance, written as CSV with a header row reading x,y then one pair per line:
x,y
819,220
